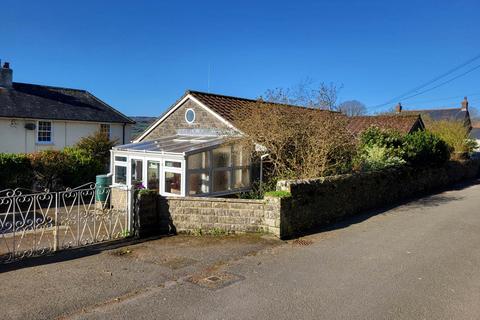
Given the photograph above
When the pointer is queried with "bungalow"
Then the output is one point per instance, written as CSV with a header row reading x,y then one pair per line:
x,y
37,117
188,150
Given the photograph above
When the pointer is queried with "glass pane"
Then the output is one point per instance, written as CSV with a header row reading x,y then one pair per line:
x,y
137,173
242,178
173,164
222,157
122,159
120,174
198,183
190,115
173,183
240,156
153,175
199,160
221,180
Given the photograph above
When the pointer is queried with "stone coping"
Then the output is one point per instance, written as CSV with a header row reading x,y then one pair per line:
x,y
211,199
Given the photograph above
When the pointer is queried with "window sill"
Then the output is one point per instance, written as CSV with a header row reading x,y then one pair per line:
x,y
44,143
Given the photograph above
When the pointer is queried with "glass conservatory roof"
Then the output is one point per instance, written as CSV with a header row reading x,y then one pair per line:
x,y
178,144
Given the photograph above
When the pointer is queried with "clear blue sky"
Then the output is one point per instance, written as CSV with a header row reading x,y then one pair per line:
x,y
140,56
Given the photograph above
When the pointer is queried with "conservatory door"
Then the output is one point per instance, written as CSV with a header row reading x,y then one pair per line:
x,y
172,178
153,175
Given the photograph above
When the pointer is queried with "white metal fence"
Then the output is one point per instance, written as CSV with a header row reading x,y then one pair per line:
x,y
33,224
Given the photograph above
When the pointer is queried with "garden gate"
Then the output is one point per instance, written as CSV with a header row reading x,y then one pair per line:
x,y
36,223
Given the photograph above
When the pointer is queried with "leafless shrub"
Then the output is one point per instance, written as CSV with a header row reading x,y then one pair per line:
x,y
352,108
302,142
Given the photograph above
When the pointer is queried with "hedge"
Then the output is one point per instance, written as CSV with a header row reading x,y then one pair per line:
x,y
50,169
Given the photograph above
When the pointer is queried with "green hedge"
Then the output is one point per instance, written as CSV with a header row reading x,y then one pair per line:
x,y
49,169
15,171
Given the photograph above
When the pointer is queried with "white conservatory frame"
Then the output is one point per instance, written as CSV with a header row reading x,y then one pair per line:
x,y
162,157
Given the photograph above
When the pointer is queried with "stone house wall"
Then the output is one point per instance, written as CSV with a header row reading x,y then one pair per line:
x,y
176,120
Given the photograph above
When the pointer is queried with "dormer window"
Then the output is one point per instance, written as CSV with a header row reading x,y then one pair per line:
x,y
190,116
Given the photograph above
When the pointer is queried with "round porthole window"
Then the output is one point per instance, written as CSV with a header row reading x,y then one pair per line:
x,y
190,116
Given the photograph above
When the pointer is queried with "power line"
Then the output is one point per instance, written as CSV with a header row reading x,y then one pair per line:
x,y
429,82
445,98
443,83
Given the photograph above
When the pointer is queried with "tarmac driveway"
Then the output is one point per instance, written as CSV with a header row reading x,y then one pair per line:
x,y
420,260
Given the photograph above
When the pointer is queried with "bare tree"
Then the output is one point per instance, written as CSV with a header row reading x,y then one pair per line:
x,y
327,96
306,94
302,143
352,108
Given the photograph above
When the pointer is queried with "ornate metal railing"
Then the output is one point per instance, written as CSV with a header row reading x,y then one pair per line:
x,y
36,223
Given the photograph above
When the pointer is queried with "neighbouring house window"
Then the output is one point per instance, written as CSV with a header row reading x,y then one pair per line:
x,y
190,115
120,158
105,129
137,173
153,175
120,174
173,183
198,183
44,132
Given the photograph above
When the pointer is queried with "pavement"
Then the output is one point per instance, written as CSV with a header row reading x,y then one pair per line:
x,y
419,260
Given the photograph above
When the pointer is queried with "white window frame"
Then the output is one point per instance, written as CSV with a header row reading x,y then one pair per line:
x,y
145,157
37,132
164,169
194,116
109,129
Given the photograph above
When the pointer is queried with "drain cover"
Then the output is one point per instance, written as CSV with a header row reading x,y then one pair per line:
x,y
302,242
217,281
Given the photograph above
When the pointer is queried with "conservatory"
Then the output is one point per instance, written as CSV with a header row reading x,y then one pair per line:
x,y
183,165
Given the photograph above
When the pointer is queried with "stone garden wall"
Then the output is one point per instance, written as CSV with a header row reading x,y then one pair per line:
x,y
308,205
207,215
318,202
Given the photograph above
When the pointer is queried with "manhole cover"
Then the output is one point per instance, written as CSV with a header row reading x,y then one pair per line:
x,y
302,242
217,281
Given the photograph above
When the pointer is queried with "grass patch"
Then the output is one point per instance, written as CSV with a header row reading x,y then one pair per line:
x,y
278,194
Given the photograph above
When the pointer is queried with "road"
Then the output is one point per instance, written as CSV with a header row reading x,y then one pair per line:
x,y
420,260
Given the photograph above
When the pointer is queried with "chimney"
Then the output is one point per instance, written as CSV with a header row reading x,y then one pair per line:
x,y
465,104
6,76
398,108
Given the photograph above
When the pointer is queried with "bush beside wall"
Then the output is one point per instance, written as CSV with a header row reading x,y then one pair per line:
x,y
315,203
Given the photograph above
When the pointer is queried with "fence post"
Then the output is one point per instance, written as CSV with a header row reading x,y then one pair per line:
x,y
55,230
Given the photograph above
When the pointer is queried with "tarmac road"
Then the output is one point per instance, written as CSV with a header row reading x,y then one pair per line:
x,y
420,260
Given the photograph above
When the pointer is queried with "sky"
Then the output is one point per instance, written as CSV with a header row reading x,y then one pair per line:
x,y
141,56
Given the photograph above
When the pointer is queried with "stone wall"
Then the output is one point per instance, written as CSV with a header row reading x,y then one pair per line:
x,y
195,214
310,204
318,202
176,120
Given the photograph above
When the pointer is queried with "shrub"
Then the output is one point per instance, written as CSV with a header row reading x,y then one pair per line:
x,y
379,157
48,166
302,143
81,167
454,133
380,149
423,148
15,171
98,145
